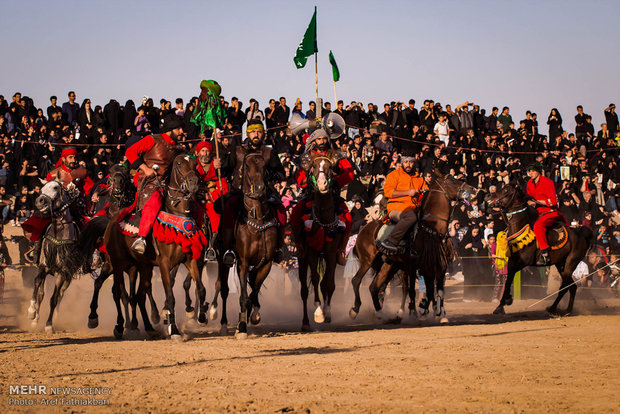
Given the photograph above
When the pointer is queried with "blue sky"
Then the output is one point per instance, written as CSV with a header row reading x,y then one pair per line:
x,y
525,54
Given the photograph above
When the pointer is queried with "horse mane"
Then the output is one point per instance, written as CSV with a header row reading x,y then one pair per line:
x,y
175,153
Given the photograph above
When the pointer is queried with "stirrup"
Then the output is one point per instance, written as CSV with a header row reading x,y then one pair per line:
x,y
229,258
210,254
139,245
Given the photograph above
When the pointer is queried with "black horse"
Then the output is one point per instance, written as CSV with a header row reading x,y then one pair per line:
x,y
571,245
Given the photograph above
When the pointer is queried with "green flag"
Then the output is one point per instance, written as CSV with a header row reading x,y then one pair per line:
x,y
335,70
308,45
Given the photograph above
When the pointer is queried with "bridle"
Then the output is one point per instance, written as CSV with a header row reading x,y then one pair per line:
x,y
184,189
460,194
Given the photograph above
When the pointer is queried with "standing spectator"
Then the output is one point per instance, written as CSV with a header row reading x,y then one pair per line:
x,y
442,129
141,123
611,118
412,116
580,124
505,119
53,107
70,109
311,113
236,117
270,118
253,112
282,113
85,115
555,124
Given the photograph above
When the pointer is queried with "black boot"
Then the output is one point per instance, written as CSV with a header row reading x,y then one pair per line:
x,y
543,258
32,255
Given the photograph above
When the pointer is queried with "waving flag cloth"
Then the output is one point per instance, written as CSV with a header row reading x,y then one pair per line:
x,y
308,45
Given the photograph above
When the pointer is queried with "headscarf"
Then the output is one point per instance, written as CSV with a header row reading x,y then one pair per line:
x,y
65,153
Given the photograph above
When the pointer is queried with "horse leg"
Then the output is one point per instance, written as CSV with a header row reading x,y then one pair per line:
x,y
201,292
404,283
440,310
222,280
37,297
313,261
145,286
133,300
93,318
213,307
155,318
328,284
60,280
168,282
242,325
365,264
569,266
302,270
375,287
411,276
119,281
261,275
506,299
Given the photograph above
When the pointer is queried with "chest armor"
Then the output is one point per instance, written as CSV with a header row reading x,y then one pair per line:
x,y
76,176
161,153
240,154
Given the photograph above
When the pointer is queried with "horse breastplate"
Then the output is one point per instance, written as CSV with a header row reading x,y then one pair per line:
x,y
77,175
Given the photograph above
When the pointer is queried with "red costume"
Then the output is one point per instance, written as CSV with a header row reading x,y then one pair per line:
x,y
150,150
544,191
212,187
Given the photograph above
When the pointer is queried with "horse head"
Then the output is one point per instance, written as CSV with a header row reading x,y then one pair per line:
x,y
506,198
119,180
321,173
183,183
455,190
52,198
253,181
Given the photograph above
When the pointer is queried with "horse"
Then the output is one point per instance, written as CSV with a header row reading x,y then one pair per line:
x,y
64,251
167,247
256,238
431,242
119,195
321,242
568,246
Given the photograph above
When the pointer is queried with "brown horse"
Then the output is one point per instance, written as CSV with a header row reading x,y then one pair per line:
x,y
256,239
430,241
120,195
179,198
326,231
512,203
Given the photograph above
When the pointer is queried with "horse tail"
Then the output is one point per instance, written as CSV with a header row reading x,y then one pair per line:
x,y
90,236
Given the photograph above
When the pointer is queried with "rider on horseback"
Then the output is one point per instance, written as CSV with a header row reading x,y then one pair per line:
x,y
274,171
542,191
404,188
210,186
144,155
317,145
68,172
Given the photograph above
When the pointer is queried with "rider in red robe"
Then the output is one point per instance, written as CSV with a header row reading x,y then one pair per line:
x,y
318,145
210,185
144,155
542,191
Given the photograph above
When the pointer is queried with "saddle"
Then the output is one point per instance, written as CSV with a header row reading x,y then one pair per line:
x,y
557,237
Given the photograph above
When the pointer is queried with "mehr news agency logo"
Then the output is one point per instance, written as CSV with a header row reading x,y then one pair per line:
x,y
68,396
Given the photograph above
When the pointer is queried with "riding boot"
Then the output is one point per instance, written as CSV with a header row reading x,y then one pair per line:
x,y
543,258
227,237
32,255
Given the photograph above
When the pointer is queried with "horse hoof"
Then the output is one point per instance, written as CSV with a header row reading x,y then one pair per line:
x,y
444,321
93,323
400,313
31,310
396,320
552,311
155,319
306,328
499,311
379,316
202,319
241,335
509,301
353,313
189,315
224,330
176,338
118,332
319,317
213,313
49,329
255,318
33,324
153,334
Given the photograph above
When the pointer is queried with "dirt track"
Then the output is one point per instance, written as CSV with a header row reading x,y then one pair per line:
x,y
524,361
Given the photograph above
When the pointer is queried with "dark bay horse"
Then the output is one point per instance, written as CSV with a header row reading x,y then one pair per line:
x,y
512,203
431,242
256,238
119,195
179,200
64,250
327,236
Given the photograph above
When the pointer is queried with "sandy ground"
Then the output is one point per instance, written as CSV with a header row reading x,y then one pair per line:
x,y
524,361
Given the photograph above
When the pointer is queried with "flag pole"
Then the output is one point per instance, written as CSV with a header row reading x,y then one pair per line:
x,y
316,76
335,95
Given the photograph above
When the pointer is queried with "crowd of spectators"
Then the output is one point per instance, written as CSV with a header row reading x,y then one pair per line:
x,y
486,150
